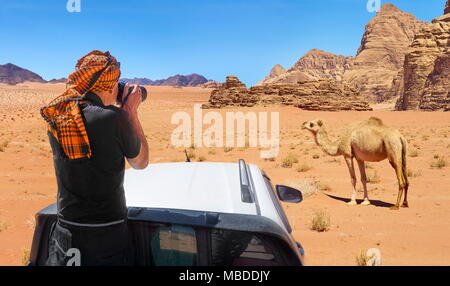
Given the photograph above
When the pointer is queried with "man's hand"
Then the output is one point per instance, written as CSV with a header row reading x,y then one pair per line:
x,y
130,107
134,99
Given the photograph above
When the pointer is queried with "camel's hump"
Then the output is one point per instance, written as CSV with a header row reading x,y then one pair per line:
x,y
375,120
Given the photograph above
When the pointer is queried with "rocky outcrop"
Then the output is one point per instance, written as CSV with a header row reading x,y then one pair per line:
x,y
314,65
447,7
12,74
426,76
210,84
380,57
327,95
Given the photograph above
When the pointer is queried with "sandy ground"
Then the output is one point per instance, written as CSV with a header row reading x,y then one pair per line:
x,y
419,235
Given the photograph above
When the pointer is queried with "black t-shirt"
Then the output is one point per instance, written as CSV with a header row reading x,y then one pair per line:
x,y
91,190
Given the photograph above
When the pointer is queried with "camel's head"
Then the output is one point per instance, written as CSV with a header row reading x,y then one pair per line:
x,y
313,125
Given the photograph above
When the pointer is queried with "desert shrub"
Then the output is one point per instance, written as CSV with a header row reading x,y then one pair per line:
x,y
289,161
413,174
316,156
25,256
3,145
372,177
323,186
439,163
270,159
413,153
320,221
362,258
227,149
201,158
3,226
304,167
307,187
191,154
212,152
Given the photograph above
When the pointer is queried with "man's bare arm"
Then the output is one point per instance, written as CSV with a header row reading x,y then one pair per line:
x,y
141,160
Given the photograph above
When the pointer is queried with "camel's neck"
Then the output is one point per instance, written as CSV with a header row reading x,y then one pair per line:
x,y
329,147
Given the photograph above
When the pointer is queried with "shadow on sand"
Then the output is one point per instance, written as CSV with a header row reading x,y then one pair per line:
x,y
372,202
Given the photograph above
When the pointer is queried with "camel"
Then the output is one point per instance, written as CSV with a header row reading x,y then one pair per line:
x,y
366,141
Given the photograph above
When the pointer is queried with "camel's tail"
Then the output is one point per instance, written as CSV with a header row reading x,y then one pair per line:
x,y
404,165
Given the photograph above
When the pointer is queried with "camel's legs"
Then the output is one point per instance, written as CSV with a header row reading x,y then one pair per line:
x,y
362,170
401,183
406,186
351,169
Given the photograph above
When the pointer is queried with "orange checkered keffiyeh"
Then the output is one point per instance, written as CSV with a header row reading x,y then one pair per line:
x,y
96,71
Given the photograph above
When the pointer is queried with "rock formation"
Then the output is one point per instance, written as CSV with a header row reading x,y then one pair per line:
x,y
375,71
381,54
12,74
426,73
314,65
211,84
327,95
447,7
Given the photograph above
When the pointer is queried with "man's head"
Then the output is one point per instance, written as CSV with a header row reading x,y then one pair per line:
x,y
97,72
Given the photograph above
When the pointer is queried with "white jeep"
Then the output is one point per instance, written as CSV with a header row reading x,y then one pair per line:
x,y
185,214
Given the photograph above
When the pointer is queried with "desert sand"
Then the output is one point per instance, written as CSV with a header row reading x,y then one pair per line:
x,y
418,235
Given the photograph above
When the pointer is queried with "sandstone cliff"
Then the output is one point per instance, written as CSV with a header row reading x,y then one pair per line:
x,y
426,73
314,65
380,57
326,95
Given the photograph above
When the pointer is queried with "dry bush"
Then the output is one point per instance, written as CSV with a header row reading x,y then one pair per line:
x,y
191,154
413,153
3,226
320,221
3,145
439,163
270,159
289,161
371,257
227,149
201,158
304,167
413,174
373,177
26,256
307,187
212,151
362,259
316,156
323,186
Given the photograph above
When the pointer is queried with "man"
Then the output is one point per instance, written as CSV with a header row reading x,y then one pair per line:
x,y
90,137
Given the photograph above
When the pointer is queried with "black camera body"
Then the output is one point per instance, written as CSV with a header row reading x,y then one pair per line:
x,y
122,98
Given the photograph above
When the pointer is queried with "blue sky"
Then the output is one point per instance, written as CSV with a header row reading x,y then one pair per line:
x,y
157,39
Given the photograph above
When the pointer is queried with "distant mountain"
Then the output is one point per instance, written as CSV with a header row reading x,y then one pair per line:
x,y
60,80
12,74
177,80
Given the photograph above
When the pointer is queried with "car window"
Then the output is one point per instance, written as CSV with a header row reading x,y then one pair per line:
x,y
164,245
238,248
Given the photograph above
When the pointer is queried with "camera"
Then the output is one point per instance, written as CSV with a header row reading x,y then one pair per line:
x,y
122,98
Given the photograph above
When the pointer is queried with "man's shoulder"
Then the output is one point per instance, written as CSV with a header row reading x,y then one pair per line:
x,y
110,112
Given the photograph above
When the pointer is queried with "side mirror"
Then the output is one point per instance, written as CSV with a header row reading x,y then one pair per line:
x,y
288,194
